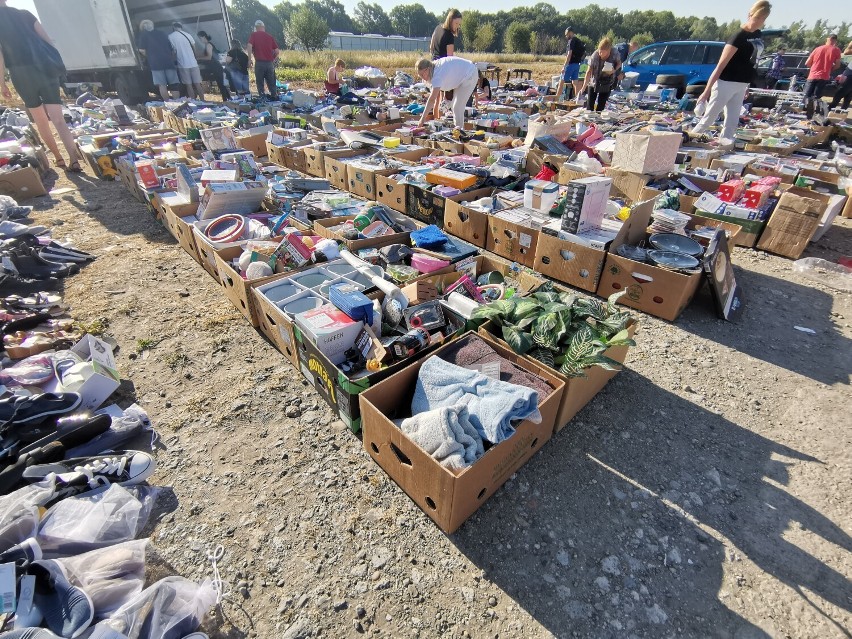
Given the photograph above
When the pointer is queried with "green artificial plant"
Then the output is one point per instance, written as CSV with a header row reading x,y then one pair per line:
x,y
564,331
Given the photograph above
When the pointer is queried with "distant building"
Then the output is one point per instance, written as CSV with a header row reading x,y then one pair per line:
x,y
374,42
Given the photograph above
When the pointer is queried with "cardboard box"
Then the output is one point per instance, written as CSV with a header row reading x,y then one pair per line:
x,y
180,228
649,152
291,156
22,184
391,193
749,231
237,289
449,498
512,239
105,379
627,185
336,168
425,206
579,391
315,158
793,223
324,227
654,290
361,180
255,141
330,330
464,222
206,254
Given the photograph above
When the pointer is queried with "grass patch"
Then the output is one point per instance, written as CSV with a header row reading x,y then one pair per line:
x,y
300,75
177,360
146,344
96,327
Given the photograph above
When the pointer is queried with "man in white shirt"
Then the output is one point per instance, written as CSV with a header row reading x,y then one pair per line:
x,y
185,61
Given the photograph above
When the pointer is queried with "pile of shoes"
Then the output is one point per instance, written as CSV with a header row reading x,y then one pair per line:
x,y
73,497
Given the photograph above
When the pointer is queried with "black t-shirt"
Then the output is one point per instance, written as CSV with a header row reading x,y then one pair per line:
x,y
16,27
575,48
239,60
741,68
441,39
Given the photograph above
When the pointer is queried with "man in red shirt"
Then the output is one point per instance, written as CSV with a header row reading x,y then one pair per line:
x,y
264,49
822,61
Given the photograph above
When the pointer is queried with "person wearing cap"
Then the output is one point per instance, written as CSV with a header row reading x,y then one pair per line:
x,y
263,48
158,52
822,62
574,51
186,62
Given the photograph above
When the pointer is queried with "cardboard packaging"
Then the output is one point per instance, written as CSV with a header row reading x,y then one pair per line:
x,y
512,234
22,184
448,498
793,223
455,179
462,221
586,204
237,289
391,193
330,330
178,219
649,152
336,168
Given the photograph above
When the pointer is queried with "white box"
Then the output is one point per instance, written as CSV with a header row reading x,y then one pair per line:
x,y
646,152
105,379
332,330
586,205
540,195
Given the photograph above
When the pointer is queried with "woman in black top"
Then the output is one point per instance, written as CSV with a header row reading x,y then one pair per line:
x,y
732,76
209,61
237,67
443,45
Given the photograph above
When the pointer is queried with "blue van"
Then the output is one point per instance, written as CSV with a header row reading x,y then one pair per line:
x,y
694,59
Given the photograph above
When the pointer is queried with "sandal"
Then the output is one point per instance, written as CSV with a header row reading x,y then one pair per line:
x,y
74,167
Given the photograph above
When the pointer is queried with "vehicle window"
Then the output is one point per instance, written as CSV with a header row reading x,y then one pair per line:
x,y
678,54
649,56
764,63
794,61
698,55
714,52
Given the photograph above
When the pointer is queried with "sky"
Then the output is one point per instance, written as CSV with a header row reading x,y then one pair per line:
x,y
783,11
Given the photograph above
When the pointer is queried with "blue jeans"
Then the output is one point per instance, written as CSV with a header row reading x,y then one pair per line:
x,y
265,70
239,81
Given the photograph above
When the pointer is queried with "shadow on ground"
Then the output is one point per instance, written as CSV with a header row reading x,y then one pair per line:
x,y
602,534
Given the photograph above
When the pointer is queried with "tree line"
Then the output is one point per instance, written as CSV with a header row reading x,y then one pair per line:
x,y
538,29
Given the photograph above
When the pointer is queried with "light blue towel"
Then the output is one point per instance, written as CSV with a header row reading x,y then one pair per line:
x,y
446,434
491,405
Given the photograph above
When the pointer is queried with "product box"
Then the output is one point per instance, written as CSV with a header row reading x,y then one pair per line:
x,y
586,204
467,223
331,330
105,379
654,290
449,498
540,195
239,198
648,152
447,177
793,223
425,206
391,193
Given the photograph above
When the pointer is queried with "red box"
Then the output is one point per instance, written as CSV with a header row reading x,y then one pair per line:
x,y
757,194
731,191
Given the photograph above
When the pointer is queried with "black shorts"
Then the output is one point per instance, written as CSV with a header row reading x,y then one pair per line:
x,y
34,86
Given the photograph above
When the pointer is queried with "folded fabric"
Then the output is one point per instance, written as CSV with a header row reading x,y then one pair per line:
x,y
491,404
446,434
428,237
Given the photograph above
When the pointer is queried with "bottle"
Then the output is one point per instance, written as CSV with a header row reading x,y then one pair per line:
x,y
412,342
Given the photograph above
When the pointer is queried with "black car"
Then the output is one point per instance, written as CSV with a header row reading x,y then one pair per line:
x,y
794,65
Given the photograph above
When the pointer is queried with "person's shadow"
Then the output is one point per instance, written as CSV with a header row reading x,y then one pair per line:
x,y
621,525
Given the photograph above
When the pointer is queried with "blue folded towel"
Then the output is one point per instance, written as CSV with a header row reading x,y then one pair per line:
x,y
491,405
446,434
428,237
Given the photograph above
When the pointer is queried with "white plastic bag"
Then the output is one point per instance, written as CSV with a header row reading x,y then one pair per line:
x,y
825,272
96,519
169,609
111,576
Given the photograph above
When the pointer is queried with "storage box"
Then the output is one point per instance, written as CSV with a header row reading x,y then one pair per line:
x,y
793,223
315,157
540,195
649,152
22,184
657,291
391,193
362,180
336,168
237,289
464,222
449,498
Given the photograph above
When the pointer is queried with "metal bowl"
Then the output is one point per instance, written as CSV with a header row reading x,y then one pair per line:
x,y
635,253
676,243
673,259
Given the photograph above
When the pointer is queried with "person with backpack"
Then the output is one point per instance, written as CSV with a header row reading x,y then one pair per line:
x,y
35,67
208,60
575,50
186,62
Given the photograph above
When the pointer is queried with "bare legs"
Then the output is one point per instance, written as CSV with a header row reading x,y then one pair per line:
x,y
43,116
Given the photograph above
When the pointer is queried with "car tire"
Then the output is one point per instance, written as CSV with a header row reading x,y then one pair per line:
x,y
695,89
671,80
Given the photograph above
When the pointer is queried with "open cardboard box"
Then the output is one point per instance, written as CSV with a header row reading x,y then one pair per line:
x,y
391,193
179,219
652,289
22,184
464,222
579,391
315,157
794,222
290,156
237,289
512,240
336,167
324,228
627,185
448,498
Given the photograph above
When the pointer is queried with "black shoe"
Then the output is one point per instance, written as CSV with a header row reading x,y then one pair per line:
x,y
26,262
12,284
24,323
20,410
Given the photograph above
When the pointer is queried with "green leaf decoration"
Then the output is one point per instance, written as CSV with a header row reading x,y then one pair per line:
x,y
544,356
519,341
495,311
546,297
525,307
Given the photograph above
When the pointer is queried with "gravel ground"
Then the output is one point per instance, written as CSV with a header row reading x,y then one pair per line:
x,y
703,493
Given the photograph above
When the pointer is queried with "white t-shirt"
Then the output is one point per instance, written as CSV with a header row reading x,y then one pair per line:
x,y
450,72
184,46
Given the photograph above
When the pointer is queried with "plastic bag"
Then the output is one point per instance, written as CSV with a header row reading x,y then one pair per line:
x,y
589,164
169,609
112,576
95,520
825,272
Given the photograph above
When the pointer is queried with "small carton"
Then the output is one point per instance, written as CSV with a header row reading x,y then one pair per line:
x,y
104,380
330,329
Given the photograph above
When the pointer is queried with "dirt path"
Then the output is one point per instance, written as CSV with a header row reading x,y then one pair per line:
x,y
704,493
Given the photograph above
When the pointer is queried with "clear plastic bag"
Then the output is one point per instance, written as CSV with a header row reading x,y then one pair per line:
x,y
169,609
825,272
111,576
95,520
